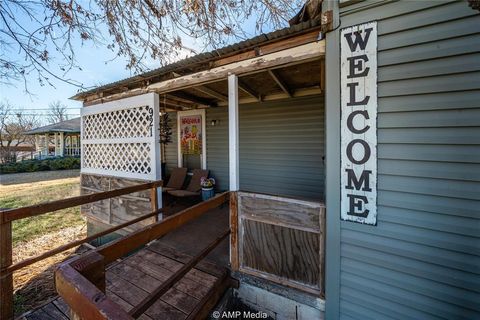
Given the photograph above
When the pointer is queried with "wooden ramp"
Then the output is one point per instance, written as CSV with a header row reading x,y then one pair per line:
x,y
132,279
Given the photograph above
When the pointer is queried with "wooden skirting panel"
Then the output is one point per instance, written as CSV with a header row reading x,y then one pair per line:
x,y
116,210
282,240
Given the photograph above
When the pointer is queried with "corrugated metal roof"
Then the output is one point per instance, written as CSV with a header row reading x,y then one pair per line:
x,y
72,125
207,56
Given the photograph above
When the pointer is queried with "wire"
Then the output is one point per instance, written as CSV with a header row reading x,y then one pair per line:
x,y
41,114
42,109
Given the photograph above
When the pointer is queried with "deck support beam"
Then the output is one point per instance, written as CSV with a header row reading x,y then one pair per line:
x,y
233,132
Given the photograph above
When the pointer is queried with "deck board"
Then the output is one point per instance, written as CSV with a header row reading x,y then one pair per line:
x,y
130,280
54,312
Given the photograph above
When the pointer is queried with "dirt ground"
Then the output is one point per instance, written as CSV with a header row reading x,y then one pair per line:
x,y
34,285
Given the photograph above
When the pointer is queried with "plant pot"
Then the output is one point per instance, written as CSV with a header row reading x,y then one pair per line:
x,y
207,193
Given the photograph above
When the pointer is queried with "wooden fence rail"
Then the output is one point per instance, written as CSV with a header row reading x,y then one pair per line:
x,y
6,244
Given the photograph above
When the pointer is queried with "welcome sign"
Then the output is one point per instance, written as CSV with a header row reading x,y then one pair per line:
x,y
358,58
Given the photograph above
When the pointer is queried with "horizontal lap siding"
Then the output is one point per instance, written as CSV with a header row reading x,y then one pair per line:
x,y
422,260
217,146
281,147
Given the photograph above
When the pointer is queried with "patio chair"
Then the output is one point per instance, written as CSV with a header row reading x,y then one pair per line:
x,y
176,179
194,186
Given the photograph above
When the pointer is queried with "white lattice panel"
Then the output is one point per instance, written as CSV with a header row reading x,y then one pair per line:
x,y
126,123
121,138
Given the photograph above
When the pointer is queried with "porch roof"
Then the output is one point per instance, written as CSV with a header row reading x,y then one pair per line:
x,y
200,62
69,126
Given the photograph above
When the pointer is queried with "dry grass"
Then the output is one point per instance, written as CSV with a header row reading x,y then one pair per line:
x,y
34,285
28,193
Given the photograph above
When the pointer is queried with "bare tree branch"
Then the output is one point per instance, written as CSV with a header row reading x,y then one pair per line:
x,y
34,33
57,112
12,130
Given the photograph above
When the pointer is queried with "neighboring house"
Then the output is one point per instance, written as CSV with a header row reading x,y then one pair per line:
x,y
18,151
374,124
60,139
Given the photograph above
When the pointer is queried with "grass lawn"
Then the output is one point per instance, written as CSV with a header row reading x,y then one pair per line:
x,y
27,193
34,284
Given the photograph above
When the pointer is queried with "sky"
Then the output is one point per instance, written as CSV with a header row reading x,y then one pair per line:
x,y
97,68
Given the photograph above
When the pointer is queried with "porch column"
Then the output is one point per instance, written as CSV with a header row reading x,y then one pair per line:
x,y
38,148
45,146
233,132
62,145
55,142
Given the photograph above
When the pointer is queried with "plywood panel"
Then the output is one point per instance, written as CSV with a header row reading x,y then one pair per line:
x,y
287,212
118,183
100,183
116,210
284,252
100,210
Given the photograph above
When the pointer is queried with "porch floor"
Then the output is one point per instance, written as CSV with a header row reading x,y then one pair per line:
x,y
133,278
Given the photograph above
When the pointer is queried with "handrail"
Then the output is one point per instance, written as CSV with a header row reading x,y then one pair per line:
x,y
31,211
75,283
29,261
120,247
8,216
80,281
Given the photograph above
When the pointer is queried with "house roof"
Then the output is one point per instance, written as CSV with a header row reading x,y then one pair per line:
x,y
201,61
69,126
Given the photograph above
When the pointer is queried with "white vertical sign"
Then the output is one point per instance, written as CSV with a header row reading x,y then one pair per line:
x,y
358,50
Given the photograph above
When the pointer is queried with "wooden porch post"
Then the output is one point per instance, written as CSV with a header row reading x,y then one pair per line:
x,y
6,278
234,167
158,157
233,131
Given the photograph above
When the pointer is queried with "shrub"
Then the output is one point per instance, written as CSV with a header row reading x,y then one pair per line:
x,y
41,165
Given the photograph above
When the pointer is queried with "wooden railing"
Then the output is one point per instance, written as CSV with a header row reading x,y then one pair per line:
x,y
81,280
7,217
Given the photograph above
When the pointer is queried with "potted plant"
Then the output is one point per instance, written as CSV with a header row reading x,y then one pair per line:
x,y
208,185
165,137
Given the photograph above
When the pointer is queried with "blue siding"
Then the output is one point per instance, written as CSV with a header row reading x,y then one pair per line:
x,y
281,147
422,260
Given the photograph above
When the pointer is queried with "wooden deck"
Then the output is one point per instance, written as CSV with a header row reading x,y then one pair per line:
x,y
133,278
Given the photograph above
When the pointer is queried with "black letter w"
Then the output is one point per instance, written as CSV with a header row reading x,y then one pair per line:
x,y
358,39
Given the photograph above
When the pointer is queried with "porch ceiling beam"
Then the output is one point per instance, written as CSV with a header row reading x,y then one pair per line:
x,y
281,95
280,82
184,96
211,93
175,104
248,90
300,54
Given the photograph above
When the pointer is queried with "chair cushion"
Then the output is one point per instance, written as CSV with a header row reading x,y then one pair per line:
x,y
194,185
177,178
